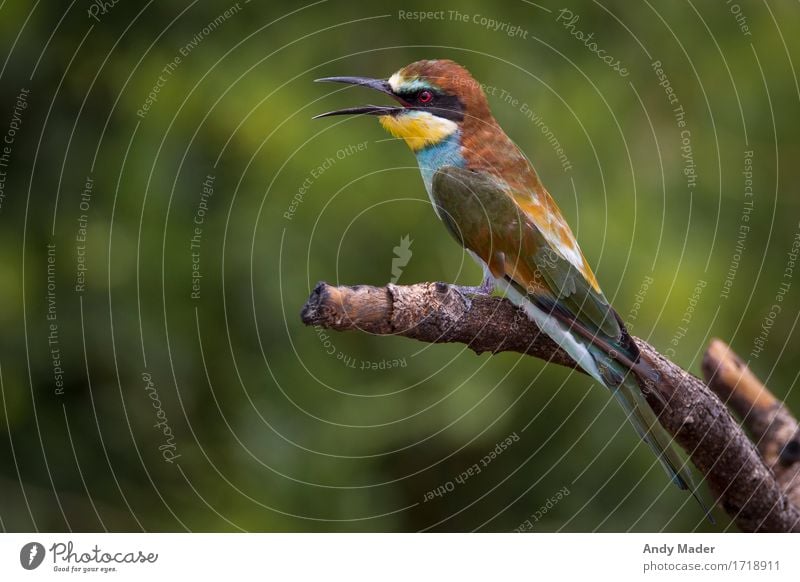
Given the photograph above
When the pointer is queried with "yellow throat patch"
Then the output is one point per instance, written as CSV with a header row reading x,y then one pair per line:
x,y
418,129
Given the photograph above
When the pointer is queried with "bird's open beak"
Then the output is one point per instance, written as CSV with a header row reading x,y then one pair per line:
x,y
377,84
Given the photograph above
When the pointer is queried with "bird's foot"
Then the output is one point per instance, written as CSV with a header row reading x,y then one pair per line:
x,y
484,288
465,291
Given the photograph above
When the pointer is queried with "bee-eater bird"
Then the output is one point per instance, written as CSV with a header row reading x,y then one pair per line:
x,y
491,200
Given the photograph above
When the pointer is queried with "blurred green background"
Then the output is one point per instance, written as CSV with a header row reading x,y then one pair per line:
x,y
145,408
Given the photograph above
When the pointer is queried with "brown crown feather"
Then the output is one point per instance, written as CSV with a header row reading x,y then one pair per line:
x,y
455,79
484,144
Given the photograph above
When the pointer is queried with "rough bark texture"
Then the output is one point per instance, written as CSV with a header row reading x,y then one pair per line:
x,y
743,481
772,426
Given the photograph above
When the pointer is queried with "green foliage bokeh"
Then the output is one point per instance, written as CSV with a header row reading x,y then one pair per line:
x,y
283,427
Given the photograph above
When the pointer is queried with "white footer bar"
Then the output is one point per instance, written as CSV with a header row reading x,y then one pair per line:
x,y
399,557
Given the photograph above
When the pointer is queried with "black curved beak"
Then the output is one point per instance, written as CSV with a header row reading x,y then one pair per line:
x,y
377,84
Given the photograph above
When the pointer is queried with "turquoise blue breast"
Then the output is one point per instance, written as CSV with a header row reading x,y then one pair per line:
x,y
445,153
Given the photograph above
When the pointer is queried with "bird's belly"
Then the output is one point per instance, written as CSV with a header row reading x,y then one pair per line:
x,y
571,344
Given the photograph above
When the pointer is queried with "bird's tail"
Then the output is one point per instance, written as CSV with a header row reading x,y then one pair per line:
x,y
624,384
616,363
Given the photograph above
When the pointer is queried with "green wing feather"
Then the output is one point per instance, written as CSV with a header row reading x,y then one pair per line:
x,y
469,201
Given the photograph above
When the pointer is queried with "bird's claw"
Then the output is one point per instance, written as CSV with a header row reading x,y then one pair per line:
x,y
465,291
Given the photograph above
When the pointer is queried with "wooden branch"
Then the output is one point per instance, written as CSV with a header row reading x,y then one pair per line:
x,y
772,426
433,312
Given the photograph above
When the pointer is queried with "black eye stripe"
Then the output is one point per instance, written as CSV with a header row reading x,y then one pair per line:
x,y
448,107
441,104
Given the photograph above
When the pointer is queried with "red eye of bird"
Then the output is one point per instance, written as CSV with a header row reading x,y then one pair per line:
x,y
425,97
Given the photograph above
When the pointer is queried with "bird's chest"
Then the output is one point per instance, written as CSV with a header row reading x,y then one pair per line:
x,y
444,153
